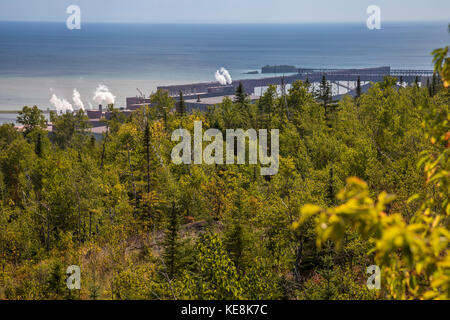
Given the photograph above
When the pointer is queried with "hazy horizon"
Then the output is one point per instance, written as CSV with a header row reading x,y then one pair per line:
x,y
445,22
231,11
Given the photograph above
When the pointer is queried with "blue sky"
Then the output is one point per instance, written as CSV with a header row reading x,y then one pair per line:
x,y
204,11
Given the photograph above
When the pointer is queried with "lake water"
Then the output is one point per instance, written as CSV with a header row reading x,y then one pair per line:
x,y
38,59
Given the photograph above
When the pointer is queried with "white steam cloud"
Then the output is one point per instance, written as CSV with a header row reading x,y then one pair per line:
x,y
77,100
61,105
223,76
102,94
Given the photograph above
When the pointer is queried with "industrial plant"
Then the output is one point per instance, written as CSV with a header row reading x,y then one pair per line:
x,y
200,96
343,81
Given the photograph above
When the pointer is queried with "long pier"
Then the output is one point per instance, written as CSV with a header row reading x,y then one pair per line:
x,y
313,75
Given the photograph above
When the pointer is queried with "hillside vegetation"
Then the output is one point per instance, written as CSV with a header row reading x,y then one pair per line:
x,y
141,227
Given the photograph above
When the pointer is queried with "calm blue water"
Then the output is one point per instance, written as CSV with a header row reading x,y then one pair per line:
x,y
37,59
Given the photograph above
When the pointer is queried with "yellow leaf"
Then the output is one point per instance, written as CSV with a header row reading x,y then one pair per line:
x,y
310,209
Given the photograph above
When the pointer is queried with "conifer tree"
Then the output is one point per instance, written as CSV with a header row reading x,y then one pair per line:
x,y
92,141
358,87
181,106
433,85
237,236
147,158
147,152
327,274
235,243
240,96
55,280
324,95
330,188
324,92
38,148
171,254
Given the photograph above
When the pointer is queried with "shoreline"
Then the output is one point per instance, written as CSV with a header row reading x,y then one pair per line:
x,y
17,111
9,111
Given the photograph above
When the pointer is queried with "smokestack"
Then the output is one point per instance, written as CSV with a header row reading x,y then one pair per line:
x,y
100,107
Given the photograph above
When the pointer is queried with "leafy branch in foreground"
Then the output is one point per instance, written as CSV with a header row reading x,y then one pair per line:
x,y
414,255
441,61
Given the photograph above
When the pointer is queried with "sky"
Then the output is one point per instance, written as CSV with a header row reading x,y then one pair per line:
x,y
224,11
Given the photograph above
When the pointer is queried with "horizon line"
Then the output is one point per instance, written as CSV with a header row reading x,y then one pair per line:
x,y
228,22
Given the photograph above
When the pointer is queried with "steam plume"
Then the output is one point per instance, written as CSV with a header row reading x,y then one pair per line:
x,y
77,100
223,76
61,105
102,94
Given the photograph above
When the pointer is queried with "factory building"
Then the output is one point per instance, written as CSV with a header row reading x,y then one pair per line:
x,y
194,100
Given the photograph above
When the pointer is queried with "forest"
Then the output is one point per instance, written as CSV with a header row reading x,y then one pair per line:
x,y
362,181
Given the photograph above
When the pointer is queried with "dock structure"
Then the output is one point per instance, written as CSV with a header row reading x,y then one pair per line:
x,y
335,76
343,82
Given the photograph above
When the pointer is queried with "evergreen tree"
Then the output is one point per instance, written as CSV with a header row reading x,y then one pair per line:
x,y
92,142
324,92
235,243
147,152
433,85
56,281
240,96
358,87
324,95
235,237
94,291
38,148
327,273
147,158
171,244
181,106
330,188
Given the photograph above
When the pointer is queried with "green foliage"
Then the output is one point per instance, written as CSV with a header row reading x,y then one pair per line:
x,y
240,96
69,130
163,103
342,283
441,61
108,206
217,276
324,94
181,106
56,283
414,253
358,87
171,245
31,118
132,284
